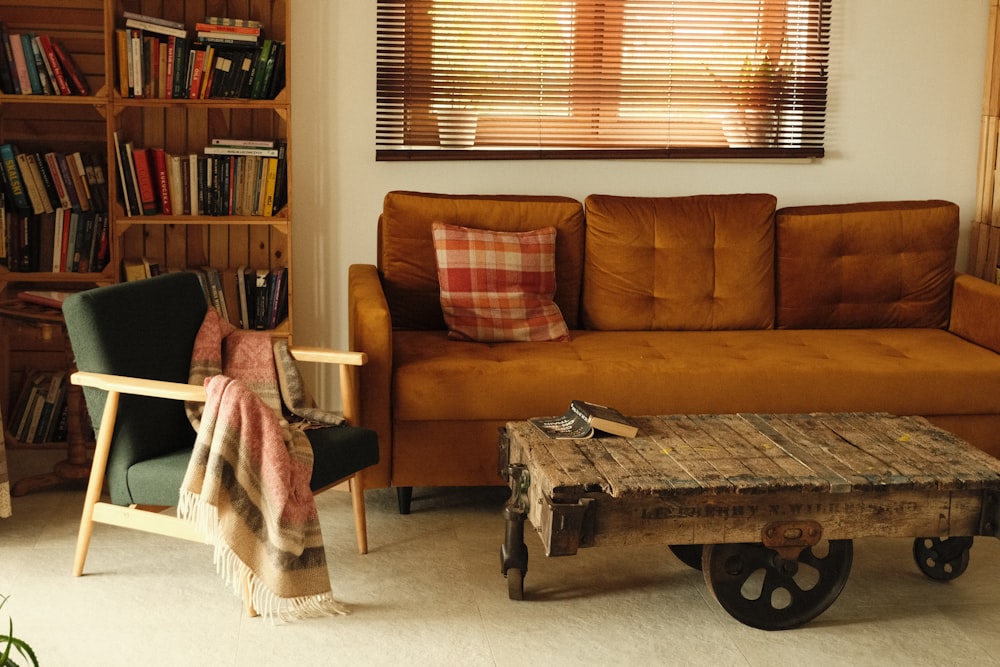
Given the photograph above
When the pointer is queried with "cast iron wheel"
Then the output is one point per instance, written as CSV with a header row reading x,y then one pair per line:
x,y
760,589
942,560
515,583
689,554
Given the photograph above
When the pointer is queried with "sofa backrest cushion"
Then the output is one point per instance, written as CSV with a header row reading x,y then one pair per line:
x,y
406,256
866,265
679,263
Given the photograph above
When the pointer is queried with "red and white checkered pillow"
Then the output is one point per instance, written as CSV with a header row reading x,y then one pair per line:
x,y
498,286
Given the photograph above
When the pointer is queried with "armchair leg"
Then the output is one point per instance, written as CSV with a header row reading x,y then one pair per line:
x,y
83,540
248,598
96,483
360,520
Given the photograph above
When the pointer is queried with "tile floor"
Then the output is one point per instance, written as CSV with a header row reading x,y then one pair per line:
x,y
430,593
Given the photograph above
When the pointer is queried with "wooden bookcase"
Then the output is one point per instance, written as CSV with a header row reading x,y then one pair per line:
x,y
86,29
187,126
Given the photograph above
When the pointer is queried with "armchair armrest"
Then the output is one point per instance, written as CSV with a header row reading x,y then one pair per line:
x,y
189,392
139,386
975,311
327,356
348,377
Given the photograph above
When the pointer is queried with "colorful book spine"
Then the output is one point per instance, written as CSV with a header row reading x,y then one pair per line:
x,y
144,179
27,53
155,27
156,20
70,67
12,177
20,64
129,200
58,261
55,66
79,177
10,69
71,190
229,21
162,180
31,183
42,67
281,178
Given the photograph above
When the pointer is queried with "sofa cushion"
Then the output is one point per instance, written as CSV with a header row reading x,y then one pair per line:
x,y
878,264
498,286
681,263
406,250
902,370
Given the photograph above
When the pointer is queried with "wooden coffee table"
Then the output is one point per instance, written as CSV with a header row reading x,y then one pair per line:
x,y
766,506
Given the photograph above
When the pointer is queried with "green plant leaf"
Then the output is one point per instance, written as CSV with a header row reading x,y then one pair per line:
x,y
14,643
4,659
22,648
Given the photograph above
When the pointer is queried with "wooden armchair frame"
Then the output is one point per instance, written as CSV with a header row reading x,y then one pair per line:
x,y
150,519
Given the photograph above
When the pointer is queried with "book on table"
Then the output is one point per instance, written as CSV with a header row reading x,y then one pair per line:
x,y
582,419
49,298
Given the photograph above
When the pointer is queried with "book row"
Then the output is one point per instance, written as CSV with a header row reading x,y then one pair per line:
x,y
261,298
42,181
160,59
248,298
36,64
40,412
64,241
224,29
229,177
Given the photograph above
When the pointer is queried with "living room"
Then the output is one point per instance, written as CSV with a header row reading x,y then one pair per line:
x,y
904,112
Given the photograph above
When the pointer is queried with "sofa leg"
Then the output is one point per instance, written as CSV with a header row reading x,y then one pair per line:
x,y
404,495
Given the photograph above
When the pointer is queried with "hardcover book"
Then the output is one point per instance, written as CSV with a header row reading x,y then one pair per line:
x,y
156,26
12,178
28,54
49,298
581,421
53,62
71,70
144,179
42,67
8,71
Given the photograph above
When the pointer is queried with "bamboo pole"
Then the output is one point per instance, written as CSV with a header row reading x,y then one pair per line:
x,y
985,237
991,98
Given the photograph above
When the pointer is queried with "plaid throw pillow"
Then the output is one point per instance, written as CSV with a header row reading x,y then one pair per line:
x,y
498,286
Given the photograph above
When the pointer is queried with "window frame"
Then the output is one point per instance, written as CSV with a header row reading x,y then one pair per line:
x,y
408,81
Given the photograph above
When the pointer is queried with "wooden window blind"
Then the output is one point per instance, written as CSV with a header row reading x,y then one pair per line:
x,y
482,79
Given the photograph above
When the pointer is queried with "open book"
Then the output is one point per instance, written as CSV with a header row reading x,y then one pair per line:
x,y
582,419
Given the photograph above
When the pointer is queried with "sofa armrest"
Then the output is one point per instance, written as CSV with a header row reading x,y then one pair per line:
x,y
370,332
975,311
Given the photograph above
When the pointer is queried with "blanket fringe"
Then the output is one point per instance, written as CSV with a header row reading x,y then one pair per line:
x,y
244,583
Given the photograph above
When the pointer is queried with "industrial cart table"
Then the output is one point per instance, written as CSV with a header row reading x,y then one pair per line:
x,y
766,506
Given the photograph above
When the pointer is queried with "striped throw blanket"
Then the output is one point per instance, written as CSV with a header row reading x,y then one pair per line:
x,y
247,484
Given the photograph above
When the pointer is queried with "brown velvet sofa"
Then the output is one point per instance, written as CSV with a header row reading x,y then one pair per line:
x,y
704,304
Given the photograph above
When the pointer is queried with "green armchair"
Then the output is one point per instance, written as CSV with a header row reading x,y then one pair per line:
x,y
132,343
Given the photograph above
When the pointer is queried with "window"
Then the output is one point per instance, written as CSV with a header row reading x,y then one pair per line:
x,y
601,78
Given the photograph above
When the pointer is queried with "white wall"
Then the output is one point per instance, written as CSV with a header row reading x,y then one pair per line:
x,y
904,109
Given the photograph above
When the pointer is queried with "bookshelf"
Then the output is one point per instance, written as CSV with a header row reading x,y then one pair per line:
x,y
88,30
63,124
182,127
